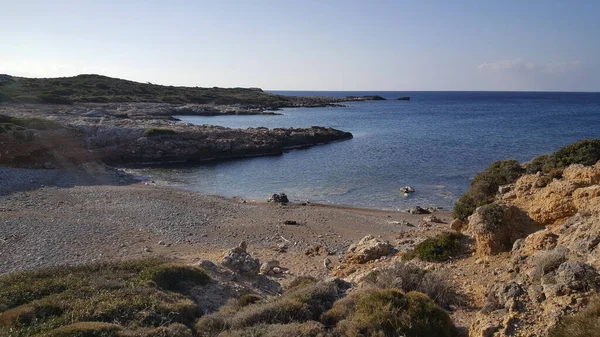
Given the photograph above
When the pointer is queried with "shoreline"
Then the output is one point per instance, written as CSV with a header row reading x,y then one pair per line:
x,y
55,217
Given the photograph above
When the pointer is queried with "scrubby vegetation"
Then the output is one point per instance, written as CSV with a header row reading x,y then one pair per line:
x,y
586,152
388,312
582,324
297,306
102,89
436,249
86,301
155,298
485,184
546,261
407,277
153,132
8,123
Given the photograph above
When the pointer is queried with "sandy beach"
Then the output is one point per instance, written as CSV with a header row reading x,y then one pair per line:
x,y
91,213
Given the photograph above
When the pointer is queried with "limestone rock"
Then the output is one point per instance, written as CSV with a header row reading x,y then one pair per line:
x,y
587,199
560,199
496,227
432,218
267,267
581,175
577,276
367,249
238,260
458,225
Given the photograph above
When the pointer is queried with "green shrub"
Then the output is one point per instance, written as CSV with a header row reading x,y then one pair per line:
x,y
407,277
30,123
583,324
485,186
175,277
437,249
388,312
586,152
154,132
464,207
296,306
301,282
248,299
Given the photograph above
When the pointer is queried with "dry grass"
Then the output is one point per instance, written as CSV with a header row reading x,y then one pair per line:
x,y
388,312
407,277
583,324
545,262
136,294
296,306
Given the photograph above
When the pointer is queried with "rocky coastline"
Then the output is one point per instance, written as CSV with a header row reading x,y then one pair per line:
x,y
41,135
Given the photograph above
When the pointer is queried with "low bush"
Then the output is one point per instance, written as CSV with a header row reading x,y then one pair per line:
x,y
7,127
296,306
306,329
175,277
407,277
485,186
70,301
583,324
30,123
249,299
153,132
544,180
436,249
586,152
388,312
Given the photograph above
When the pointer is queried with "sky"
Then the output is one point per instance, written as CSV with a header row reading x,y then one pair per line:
x,y
310,45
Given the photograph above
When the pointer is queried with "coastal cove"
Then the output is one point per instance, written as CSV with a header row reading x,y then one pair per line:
x,y
436,142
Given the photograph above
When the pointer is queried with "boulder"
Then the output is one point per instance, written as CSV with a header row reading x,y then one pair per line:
x,y
496,227
407,189
281,197
432,218
267,267
368,249
577,276
417,210
458,225
239,261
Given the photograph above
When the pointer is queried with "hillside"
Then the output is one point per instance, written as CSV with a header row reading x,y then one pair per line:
x,y
103,89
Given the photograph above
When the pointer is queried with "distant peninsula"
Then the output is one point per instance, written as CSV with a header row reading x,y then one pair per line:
x,y
102,89
57,122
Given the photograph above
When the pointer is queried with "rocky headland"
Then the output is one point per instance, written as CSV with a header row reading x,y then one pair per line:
x,y
39,135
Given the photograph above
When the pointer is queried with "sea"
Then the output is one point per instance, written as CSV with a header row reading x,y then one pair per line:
x,y
436,142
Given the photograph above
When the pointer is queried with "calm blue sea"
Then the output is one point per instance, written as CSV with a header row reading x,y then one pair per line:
x,y
436,142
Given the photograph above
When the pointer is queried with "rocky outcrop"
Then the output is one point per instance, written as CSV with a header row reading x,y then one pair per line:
x,y
557,201
239,261
496,227
368,249
270,268
86,134
552,272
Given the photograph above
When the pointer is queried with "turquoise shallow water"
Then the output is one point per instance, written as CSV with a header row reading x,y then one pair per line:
x,y
436,142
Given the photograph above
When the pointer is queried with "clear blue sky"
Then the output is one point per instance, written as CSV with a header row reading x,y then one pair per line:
x,y
312,45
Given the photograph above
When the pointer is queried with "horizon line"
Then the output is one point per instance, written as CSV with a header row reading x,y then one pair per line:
x,y
318,90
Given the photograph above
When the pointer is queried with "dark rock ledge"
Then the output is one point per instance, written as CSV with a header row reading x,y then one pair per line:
x,y
65,138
